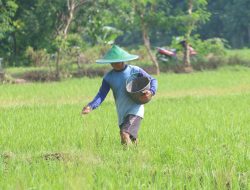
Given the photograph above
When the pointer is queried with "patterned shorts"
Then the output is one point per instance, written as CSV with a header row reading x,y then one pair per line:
x,y
131,125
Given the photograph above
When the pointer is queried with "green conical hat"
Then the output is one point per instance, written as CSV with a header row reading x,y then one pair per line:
x,y
116,55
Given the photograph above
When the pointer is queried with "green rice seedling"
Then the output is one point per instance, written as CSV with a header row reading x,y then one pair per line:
x,y
195,135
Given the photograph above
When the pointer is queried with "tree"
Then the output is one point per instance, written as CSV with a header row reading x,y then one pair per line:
x,y
37,24
34,21
98,23
143,16
190,27
237,23
192,15
143,8
7,24
230,19
65,16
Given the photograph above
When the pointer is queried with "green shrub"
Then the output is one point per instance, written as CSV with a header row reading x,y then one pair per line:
x,y
208,62
214,46
39,75
37,57
75,41
238,60
91,54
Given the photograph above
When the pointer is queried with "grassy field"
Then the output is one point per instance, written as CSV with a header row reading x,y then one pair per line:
x,y
243,53
195,135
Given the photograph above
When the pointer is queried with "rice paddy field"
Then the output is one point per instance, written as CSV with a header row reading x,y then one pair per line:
x,y
242,53
195,135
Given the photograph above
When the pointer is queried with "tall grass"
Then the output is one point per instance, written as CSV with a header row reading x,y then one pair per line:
x,y
195,135
243,53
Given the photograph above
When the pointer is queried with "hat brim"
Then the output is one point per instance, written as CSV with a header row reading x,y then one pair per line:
x,y
106,61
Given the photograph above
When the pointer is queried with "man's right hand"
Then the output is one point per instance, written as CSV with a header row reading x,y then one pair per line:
x,y
86,110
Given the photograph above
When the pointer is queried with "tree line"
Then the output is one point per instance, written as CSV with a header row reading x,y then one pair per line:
x,y
55,25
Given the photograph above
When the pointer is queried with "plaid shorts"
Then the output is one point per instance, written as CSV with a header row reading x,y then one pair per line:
x,y
131,125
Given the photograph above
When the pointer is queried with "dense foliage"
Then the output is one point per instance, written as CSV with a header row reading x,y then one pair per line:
x,y
53,26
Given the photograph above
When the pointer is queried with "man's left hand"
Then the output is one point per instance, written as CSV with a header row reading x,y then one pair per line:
x,y
148,93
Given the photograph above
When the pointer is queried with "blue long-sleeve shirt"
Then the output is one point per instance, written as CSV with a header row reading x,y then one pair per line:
x,y
116,80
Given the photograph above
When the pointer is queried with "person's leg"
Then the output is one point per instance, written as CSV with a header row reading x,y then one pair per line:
x,y
129,129
133,140
125,139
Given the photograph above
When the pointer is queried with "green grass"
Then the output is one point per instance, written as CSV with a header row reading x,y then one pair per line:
x,y
242,53
195,135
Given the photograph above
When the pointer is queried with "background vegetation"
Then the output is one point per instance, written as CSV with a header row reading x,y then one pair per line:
x,y
63,38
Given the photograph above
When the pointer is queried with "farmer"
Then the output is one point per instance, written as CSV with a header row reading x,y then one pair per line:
x,y
129,113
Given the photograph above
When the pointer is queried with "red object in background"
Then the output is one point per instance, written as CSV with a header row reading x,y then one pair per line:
x,y
192,51
166,52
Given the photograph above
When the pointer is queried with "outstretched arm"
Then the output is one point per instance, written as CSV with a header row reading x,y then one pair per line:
x,y
99,98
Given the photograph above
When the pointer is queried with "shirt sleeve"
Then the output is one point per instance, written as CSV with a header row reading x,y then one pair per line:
x,y
101,95
153,81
